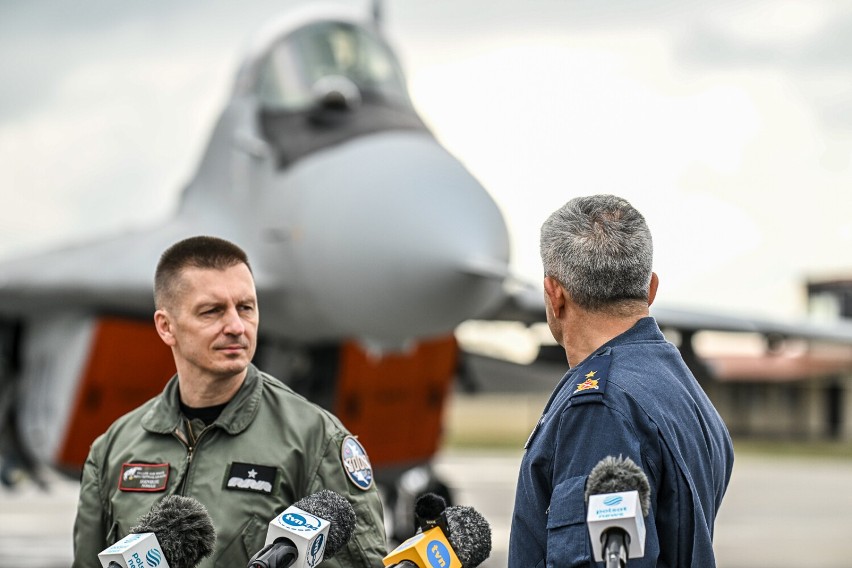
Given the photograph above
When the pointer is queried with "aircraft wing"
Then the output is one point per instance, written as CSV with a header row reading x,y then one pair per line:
x,y
113,274
527,305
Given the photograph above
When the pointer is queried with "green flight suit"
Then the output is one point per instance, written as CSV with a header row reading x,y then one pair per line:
x,y
153,451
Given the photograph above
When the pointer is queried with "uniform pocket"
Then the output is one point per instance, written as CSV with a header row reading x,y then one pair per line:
x,y
248,540
567,537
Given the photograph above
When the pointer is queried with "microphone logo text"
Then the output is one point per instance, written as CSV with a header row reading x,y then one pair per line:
x,y
438,554
301,522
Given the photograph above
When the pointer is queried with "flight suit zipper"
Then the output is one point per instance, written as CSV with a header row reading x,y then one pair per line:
x,y
191,443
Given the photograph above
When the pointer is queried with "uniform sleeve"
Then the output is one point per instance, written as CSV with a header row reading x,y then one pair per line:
x,y
89,529
368,545
587,434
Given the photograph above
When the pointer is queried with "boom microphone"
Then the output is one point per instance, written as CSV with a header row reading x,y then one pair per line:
x,y
616,491
311,530
176,533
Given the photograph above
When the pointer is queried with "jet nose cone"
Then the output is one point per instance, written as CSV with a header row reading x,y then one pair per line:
x,y
403,241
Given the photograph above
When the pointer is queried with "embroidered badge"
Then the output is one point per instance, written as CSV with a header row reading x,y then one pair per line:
x,y
144,477
592,377
251,477
356,464
589,383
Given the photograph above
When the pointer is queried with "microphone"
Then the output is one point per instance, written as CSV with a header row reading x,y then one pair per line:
x,y
428,512
425,549
469,534
311,530
176,533
451,537
616,491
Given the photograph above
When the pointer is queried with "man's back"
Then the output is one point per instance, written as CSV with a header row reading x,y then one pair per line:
x,y
633,397
695,453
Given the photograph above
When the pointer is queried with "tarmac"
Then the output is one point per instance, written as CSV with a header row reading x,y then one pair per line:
x,y
779,512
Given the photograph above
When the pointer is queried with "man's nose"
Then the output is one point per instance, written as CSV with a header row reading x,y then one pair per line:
x,y
234,324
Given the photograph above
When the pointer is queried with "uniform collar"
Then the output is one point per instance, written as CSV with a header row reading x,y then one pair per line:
x,y
646,329
165,416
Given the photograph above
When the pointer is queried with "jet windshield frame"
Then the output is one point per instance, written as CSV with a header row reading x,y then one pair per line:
x,y
292,66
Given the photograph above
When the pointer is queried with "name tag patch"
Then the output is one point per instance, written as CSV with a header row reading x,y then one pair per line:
x,y
251,477
144,477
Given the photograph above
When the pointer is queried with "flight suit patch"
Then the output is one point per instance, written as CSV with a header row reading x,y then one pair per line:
x,y
149,477
356,464
251,477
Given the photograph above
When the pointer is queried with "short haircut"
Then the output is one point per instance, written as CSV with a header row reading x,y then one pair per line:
x,y
194,252
599,248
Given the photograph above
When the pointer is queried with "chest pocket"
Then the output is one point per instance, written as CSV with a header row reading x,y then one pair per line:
x,y
567,537
248,540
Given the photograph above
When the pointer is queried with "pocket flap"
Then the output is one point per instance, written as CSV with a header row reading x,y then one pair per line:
x,y
568,504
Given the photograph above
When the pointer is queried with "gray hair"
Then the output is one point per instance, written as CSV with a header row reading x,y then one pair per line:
x,y
599,248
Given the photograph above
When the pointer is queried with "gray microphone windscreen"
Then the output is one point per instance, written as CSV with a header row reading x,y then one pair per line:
x,y
469,534
183,528
331,507
615,475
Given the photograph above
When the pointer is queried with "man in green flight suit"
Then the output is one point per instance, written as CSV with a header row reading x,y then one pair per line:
x,y
223,432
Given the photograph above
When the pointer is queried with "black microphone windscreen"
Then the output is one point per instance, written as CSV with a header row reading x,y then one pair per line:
x,y
331,507
183,528
469,534
429,506
615,475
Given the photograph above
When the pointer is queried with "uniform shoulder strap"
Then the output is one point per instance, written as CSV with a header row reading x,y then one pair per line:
x,y
590,379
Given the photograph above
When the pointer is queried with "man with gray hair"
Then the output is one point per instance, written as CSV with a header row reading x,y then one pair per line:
x,y
627,393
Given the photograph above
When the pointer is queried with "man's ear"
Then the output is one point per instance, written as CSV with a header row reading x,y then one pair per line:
x,y
163,323
556,294
652,289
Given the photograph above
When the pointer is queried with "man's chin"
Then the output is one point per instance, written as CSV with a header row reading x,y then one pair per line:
x,y
232,367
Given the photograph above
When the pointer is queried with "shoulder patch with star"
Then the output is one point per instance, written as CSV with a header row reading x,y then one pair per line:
x,y
591,378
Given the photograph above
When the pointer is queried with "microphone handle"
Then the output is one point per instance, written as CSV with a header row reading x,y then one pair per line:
x,y
616,542
404,564
277,555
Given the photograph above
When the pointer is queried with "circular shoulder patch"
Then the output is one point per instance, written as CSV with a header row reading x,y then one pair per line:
x,y
356,464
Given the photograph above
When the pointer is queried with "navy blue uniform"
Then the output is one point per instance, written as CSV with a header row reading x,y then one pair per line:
x,y
633,397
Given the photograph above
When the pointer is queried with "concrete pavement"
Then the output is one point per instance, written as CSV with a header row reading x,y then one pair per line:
x,y
780,512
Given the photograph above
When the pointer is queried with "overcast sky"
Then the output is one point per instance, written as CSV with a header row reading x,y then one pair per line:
x,y
729,124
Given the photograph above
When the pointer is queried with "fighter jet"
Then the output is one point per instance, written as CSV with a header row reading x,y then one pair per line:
x,y
369,244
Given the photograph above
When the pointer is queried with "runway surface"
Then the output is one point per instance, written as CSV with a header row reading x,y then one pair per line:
x,y
779,512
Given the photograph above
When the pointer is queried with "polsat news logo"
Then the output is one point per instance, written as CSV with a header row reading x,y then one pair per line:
x,y
613,501
611,508
152,559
